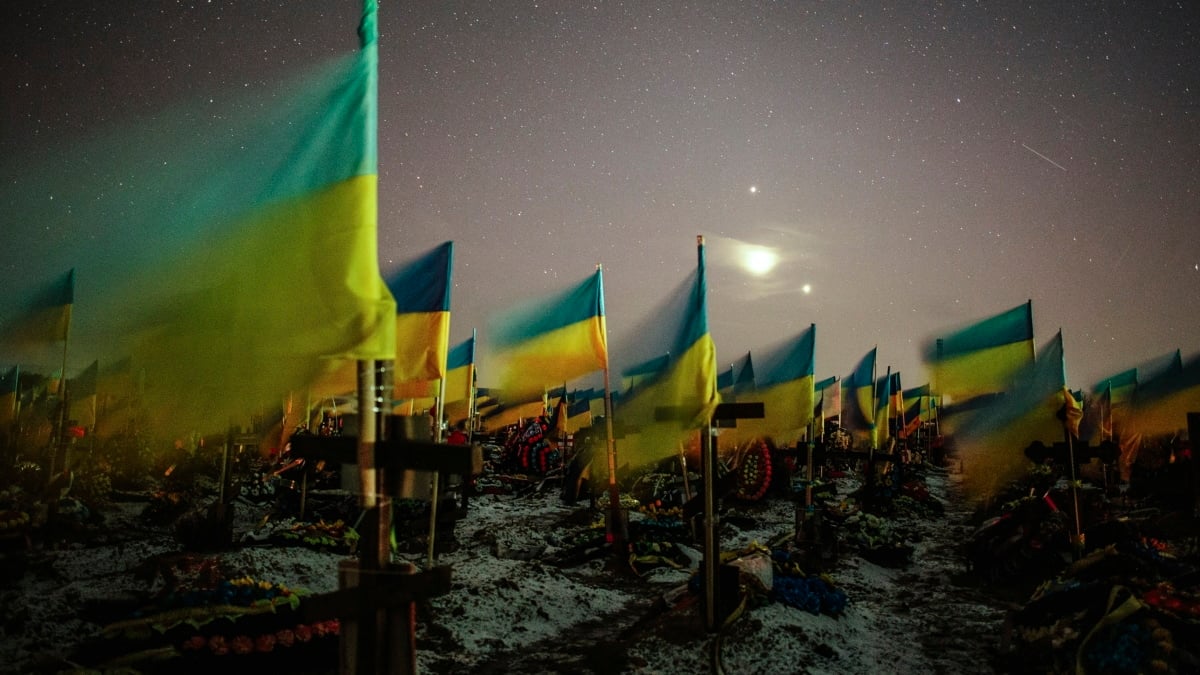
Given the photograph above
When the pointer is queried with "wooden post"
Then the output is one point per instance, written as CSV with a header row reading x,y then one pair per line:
x,y
725,414
712,552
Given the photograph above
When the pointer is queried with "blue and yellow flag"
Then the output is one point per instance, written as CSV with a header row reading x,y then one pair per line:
x,y
858,410
1161,402
421,288
1118,388
918,408
579,409
738,379
1112,415
896,409
744,381
883,410
240,255
45,319
460,371
460,381
504,414
992,439
551,340
786,387
983,357
1114,396
725,382
667,405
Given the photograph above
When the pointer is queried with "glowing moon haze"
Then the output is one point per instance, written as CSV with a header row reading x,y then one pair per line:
x,y
759,261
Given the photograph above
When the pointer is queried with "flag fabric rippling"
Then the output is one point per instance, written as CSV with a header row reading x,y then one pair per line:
x,y
551,340
242,259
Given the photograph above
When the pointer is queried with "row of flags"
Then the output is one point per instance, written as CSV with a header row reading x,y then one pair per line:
x,y
267,282
1020,397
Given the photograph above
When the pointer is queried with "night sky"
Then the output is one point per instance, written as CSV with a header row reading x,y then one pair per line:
x,y
915,167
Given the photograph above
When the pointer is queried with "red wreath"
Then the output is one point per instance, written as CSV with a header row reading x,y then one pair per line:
x,y
754,472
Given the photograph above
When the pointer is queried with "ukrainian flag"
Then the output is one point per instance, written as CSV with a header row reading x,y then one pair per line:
x,y
917,407
240,256
983,357
579,410
551,340
1118,388
1161,402
1115,394
787,389
460,380
45,319
668,404
883,410
859,408
421,288
738,380
992,439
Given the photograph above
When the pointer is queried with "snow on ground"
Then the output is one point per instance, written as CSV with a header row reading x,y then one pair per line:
x,y
510,610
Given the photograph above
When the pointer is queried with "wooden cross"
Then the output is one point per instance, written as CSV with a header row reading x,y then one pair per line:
x,y
376,599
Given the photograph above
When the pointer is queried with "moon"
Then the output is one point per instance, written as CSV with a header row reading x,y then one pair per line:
x,y
806,289
759,260
753,189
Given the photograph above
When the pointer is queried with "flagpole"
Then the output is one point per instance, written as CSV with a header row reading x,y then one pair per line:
x,y
874,401
839,402
708,463
616,528
439,407
471,390
62,399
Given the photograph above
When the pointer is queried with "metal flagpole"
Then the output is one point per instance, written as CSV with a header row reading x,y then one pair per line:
x,y
616,526
62,401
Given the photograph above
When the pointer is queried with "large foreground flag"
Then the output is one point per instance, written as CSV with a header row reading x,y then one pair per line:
x,y
551,340
44,319
422,292
674,394
983,357
241,259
